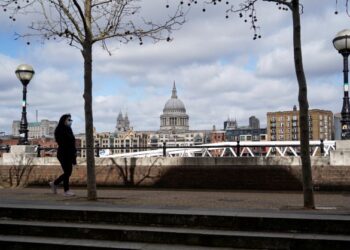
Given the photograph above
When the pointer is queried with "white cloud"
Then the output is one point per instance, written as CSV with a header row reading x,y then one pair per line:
x,y
219,71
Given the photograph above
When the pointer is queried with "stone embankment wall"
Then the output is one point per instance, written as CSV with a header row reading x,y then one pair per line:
x,y
273,173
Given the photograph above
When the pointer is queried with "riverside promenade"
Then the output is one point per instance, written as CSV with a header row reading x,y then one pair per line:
x,y
218,200
168,219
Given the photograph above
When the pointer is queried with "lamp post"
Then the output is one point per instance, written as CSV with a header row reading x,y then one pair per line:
x,y
24,73
342,43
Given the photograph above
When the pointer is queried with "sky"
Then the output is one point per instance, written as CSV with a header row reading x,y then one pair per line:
x,y
219,70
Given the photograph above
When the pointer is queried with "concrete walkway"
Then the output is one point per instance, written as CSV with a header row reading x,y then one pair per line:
x,y
228,200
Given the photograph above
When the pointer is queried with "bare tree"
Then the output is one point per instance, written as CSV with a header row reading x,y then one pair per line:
x,y
19,172
247,10
86,22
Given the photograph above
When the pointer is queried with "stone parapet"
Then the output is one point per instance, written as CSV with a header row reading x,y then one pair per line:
x,y
272,173
186,161
340,156
19,155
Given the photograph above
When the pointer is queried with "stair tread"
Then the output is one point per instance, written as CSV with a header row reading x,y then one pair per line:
x,y
276,214
106,244
161,229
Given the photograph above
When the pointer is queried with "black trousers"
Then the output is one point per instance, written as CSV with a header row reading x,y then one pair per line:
x,y
67,172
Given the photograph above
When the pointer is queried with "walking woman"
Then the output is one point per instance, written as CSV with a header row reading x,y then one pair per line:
x,y
66,153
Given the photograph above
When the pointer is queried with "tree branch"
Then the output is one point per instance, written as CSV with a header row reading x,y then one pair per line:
x,y
72,19
82,16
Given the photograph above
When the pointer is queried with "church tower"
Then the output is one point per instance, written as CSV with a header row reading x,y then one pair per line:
x,y
123,123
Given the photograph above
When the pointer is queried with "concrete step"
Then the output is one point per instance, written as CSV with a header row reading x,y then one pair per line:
x,y
47,243
171,235
236,221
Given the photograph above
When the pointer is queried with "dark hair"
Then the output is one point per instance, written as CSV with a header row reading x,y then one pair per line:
x,y
61,125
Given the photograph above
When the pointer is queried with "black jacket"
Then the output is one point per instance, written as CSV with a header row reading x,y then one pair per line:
x,y
65,139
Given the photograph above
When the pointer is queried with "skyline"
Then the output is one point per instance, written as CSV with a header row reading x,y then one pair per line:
x,y
219,70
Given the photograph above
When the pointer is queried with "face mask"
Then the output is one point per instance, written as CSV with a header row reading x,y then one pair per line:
x,y
69,123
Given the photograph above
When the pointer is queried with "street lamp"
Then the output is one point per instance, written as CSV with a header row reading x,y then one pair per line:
x,y
342,43
24,73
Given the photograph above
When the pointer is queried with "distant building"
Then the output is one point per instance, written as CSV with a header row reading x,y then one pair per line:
x,y
124,141
130,141
230,124
49,143
246,134
217,135
189,138
284,125
337,126
123,123
253,132
44,128
254,122
174,126
174,117
101,140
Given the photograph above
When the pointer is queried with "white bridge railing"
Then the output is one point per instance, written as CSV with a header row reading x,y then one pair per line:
x,y
234,149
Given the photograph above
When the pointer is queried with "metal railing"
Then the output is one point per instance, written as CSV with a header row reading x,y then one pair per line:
x,y
5,148
237,149
222,149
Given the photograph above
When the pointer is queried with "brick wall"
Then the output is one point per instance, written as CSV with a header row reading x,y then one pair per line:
x,y
213,173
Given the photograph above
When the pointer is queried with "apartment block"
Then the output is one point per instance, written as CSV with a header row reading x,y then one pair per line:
x,y
284,125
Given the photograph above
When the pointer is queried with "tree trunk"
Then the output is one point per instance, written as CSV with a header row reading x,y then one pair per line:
x,y
90,157
304,110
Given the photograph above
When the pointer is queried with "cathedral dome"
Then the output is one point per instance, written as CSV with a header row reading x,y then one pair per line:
x,y
174,115
174,105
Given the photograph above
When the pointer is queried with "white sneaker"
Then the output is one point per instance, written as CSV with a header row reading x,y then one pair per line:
x,y
53,187
69,193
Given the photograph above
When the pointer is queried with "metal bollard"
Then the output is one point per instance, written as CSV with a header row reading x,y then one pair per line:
x,y
322,147
238,149
164,149
97,150
38,151
8,148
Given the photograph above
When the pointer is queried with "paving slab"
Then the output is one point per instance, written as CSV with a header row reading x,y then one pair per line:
x,y
223,201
